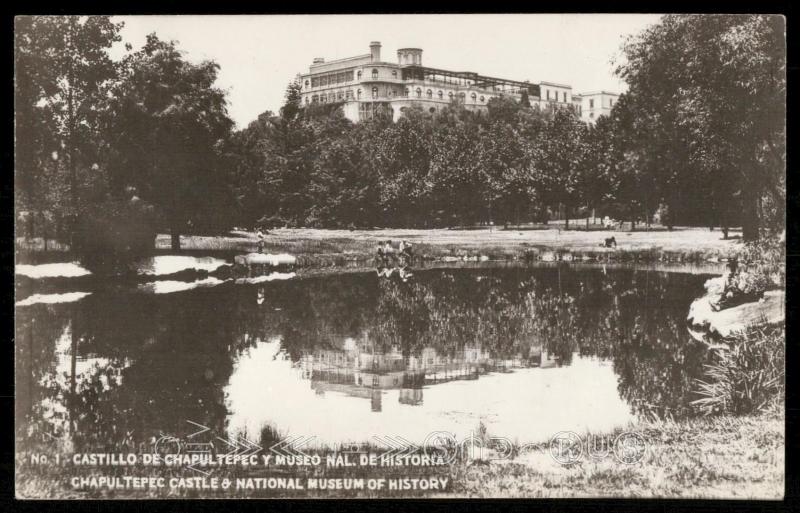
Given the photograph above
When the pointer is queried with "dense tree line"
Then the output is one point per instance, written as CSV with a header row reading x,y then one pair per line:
x,y
456,167
110,152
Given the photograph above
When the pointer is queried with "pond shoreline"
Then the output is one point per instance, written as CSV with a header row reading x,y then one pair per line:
x,y
317,248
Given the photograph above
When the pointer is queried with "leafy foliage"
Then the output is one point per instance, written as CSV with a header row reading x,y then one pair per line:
x,y
747,376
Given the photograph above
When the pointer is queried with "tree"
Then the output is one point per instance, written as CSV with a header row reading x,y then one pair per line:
x,y
169,129
710,91
563,166
403,159
62,74
292,106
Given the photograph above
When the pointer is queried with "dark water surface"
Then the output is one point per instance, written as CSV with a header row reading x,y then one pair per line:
x,y
525,351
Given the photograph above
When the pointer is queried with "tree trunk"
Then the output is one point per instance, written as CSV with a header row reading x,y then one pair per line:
x,y
750,221
73,389
175,238
724,225
73,177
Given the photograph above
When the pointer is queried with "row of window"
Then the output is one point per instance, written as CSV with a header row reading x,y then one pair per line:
x,y
610,103
555,96
330,79
338,78
348,95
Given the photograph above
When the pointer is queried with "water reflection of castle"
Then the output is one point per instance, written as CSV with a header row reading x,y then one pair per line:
x,y
357,368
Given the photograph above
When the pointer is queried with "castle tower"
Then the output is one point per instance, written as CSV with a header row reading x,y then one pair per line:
x,y
375,51
409,56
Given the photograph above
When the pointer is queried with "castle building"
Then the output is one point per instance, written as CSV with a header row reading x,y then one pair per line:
x,y
596,104
365,85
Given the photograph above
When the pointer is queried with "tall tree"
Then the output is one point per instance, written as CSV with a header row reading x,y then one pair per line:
x,y
564,161
291,107
709,90
170,127
63,71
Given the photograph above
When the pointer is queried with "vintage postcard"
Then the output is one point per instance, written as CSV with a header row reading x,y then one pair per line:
x,y
400,256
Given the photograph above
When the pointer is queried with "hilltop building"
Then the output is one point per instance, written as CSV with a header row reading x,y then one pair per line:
x,y
596,104
365,85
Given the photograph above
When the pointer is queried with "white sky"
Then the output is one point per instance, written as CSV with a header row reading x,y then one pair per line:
x,y
259,55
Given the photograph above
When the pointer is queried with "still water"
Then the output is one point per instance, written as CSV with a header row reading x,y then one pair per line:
x,y
525,352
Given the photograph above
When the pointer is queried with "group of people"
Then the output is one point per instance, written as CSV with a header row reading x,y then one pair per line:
x,y
394,261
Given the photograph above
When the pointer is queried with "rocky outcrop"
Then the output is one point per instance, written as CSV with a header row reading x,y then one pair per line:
x,y
705,322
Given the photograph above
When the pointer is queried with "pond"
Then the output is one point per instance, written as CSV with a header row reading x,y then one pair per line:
x,y
524,352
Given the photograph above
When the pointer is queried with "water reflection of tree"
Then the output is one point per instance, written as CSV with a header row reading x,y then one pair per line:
x,y
37,328
166,359
635,318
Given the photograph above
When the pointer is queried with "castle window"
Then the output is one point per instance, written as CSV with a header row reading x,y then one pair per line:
x,y
591,104
474,96
315,98
419,93
374,93
306,83
359,94
548,94
429,93
610,102
407,92
374,74
483,99
440,95
339,95
358,75
349,94
450,94
394,73
565,97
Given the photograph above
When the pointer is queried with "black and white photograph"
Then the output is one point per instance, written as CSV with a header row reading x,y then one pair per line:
x,y
399,256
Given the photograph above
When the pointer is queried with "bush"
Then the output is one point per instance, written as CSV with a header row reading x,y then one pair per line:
x,y
745,377
765,259
114,233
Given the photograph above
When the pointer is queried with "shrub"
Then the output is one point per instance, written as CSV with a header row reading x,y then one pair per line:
x,y
112,234
745,377
765,260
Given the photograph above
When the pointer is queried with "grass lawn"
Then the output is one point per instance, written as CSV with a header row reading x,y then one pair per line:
x,y
715,457
334,247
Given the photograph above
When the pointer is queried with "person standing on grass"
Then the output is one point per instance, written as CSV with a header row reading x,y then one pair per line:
x,y
379,252
405,251
388,250
260,236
